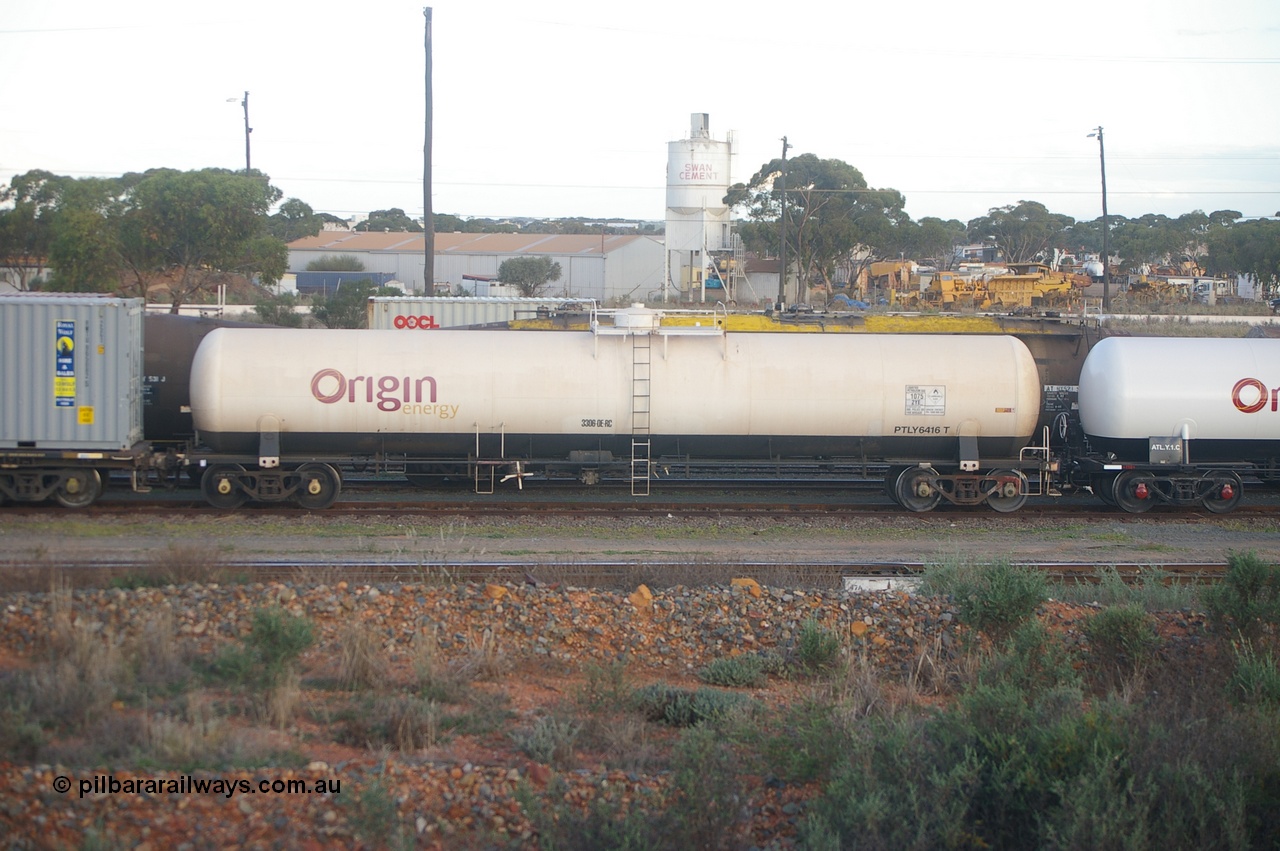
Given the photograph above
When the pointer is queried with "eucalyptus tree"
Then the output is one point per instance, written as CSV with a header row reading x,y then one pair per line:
x,y
394,220
935,240
201,226
294,220
26,224
1022,232
1247,248
834,221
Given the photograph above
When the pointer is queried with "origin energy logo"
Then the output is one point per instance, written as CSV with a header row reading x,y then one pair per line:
x,y
1250,395
391,392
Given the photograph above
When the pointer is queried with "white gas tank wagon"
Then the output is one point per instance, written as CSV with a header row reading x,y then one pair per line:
x,y
628,392
1179,420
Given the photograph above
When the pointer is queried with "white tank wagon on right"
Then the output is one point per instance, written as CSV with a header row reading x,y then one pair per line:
x,y
1173,420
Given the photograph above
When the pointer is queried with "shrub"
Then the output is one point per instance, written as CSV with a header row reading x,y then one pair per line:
x,y
1122,638
604,686
734,672
609,821
1033,661
1247,601
896,790
994,600
701,808
375,817
679,707
817,648
1256,678
550,740
269,652
402,721
705,802
808,744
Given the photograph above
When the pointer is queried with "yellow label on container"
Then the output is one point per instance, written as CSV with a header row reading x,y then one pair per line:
x,y
85,416
64,386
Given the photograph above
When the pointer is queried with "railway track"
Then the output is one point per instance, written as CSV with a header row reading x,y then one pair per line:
x,y
589,573
169,505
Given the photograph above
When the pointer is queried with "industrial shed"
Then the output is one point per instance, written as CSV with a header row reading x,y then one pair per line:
x,y
609,268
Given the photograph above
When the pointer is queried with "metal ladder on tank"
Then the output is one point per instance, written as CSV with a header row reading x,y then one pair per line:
x,y
641,458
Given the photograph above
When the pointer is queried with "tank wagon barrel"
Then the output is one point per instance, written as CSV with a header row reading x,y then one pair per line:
x,y
625,394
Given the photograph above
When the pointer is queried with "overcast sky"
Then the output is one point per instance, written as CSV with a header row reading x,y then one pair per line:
x,y
565,108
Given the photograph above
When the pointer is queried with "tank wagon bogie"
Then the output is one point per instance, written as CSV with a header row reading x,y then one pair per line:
x,y
1176,421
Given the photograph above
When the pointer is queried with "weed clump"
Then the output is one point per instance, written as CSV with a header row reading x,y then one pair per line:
x,y
993,599
681,707
1247,601
734,672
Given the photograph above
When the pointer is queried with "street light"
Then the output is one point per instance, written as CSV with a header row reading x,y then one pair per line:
x,y
247,128
1106,271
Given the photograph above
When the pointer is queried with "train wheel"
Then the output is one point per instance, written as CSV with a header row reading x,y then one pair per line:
x,y
891,483
79,489
218,484
1134,491
914,490
319,486
1226,492
1010,492
1104,488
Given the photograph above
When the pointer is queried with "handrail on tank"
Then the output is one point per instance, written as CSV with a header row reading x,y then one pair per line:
x,y
1047,463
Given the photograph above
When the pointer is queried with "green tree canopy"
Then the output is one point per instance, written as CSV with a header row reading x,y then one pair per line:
x,y
1022,232
279,310
348,307
26,227
834,220
1247,248
204,224
394,220
294,220
529,274
336,263
935,240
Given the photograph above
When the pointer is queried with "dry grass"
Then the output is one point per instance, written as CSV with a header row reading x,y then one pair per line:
x,y
362,661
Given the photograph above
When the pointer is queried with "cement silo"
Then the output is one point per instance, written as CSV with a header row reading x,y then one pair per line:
x,y
699,239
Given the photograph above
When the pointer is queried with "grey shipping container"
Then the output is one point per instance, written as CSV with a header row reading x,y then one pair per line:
x,y
70,372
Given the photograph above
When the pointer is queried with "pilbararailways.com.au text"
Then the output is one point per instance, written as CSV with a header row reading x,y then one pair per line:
x,y
108,784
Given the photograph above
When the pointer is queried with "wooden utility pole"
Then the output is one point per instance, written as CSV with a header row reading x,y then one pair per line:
x,y
782,273
428,217
1106,224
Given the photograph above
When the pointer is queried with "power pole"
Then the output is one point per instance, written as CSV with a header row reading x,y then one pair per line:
x,y
1106,227
247,131
782,273
428,217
